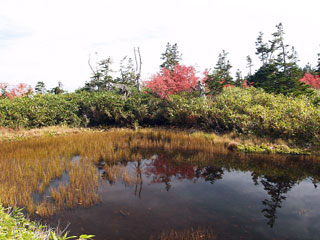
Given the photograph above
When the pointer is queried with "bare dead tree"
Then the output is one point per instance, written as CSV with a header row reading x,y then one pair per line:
x,y
138,67
89,62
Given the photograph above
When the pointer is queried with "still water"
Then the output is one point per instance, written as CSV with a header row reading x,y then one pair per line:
x,y
238,197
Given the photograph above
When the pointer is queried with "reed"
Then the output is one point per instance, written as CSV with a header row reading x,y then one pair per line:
x,y
118,172
9,134
31,165
189,234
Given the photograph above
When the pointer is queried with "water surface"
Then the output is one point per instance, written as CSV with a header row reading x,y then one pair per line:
x,y
238,196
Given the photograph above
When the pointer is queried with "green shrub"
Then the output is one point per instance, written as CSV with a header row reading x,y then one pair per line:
x,y
245,111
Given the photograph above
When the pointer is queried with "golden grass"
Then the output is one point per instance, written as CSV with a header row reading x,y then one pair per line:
x,y
119,172
28,166
189,234
9,134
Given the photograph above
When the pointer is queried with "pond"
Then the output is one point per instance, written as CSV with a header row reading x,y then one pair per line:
x,y
238,196
160,195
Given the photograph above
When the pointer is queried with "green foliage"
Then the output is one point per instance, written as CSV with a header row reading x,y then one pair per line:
x,y
40,88
281,149
14,225
58,89
315,98
221,75
251,111
101,80
53,236
269,78
279,72
239,79
246,111
170,57
128,74
39,111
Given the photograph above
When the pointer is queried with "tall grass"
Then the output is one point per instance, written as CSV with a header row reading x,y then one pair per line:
x,y
189,234
29,166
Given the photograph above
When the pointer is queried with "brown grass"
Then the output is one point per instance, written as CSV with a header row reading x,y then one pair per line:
x,y
119,172
28,166
190,234
9,134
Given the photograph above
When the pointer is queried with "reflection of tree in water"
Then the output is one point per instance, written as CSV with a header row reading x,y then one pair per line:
x,y
276,187
139,180
255,178
162,170
209,174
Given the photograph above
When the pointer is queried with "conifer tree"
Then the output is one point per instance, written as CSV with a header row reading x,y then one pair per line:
x,y
279,72
221,75
171,56
58,89
40,88
239,79
101,79
318,65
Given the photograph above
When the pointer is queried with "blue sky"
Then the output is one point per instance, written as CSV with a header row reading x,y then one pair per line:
x,y
51,40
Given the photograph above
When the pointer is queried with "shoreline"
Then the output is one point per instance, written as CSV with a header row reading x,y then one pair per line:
x,y
231,141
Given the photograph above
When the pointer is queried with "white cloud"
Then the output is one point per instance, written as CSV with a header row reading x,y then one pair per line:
x,y
51,41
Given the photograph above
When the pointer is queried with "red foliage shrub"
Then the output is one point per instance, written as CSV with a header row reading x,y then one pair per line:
x,y
165,83
10,92
312,80
245,84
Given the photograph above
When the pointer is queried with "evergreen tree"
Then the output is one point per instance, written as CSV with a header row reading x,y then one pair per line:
x,y
127,72
239,79
171,56
279,72
40,88
318,65
58,89
308,69
263,49
249,65
101,79
221,75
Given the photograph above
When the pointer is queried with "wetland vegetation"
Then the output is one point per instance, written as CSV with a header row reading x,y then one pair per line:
x,y
182,162
246,113
66,177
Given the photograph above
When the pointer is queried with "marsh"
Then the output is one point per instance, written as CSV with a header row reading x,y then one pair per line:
x,y
126,184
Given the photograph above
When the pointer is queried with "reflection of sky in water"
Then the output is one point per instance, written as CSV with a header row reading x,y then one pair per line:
x,y
232,205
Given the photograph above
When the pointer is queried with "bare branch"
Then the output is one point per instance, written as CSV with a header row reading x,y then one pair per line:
x,y
91,66
138,66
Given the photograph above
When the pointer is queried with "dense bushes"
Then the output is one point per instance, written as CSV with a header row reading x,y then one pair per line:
x,y
254,111
38,111
246,111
